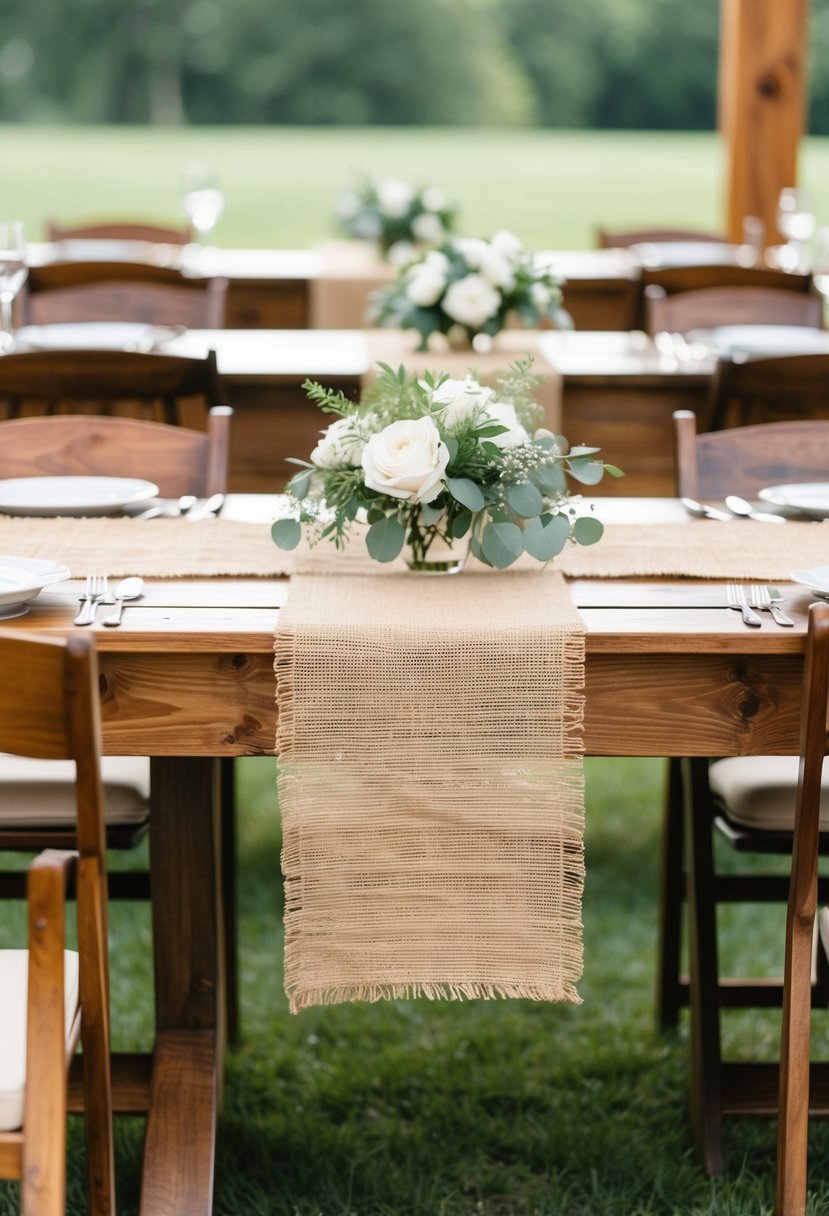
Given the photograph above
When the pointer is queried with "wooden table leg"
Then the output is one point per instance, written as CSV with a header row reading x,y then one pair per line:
x,y
187,1064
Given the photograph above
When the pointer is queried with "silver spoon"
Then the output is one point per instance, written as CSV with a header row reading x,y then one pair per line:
x,y
739,506
127,589
703,510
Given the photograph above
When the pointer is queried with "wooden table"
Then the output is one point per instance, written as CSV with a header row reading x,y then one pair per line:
x,y
189,678
328,286
614,390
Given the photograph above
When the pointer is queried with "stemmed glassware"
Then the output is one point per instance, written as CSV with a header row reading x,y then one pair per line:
x,y
795,222
13,272
202,200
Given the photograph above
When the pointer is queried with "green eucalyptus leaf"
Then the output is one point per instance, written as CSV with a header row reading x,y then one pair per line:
x,y
491,450
466,492
501,544
613,470
286,533
543,540
452,448
525,499
461,524
582,449
588,472
385,539
587,530
374,513
430,514
477,551
299,484
549,478
489,429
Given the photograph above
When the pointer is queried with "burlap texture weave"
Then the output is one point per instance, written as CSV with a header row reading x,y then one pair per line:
x,y
431,788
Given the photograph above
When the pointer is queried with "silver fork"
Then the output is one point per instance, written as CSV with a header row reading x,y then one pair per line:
x,y
736,596
761,598
96,589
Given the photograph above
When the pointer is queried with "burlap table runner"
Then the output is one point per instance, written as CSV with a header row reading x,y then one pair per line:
x,y
430,782
159,548
177,548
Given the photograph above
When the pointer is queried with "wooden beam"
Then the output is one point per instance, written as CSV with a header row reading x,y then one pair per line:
x,y
762,99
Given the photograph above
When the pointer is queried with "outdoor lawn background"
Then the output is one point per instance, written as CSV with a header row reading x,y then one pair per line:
x,y
553,188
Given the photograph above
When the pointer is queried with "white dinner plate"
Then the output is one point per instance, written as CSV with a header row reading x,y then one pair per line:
x,y
816,579
22,578
810,498
72,495
94,335
763,339
684,253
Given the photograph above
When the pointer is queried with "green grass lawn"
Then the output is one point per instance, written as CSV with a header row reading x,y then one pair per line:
x,y
552,187
513,1108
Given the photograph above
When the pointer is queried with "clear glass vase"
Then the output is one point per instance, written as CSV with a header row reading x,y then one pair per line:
x,y
430,551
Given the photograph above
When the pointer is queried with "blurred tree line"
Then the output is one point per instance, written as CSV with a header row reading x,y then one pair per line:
x,y
635,64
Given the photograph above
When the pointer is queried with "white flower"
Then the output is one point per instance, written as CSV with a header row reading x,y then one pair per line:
x,y
394,198
472,249
428,227
437,261
496,269
507,244
540,295
340,444
368,226
459,400
400,253
426,285
471,301
503,412
433,199
407,460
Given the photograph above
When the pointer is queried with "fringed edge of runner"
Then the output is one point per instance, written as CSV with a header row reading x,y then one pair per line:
x,y
432,992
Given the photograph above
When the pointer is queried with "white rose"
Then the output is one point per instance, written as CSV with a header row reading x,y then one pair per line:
x,y
507,244
437,261
406,460
459,400
368,227
471,301
503,412
497,270
433,199
426,286
400,253
339,445
540,295
428,227
394,198
472,249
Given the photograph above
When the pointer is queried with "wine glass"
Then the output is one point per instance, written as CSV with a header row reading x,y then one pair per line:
x,y
796,222
13,273
202,200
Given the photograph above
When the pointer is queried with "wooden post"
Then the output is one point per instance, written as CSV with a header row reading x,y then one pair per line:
x,y
762,99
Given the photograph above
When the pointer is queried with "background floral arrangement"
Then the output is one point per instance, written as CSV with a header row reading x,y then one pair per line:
x,y
398,216
467,286
420,461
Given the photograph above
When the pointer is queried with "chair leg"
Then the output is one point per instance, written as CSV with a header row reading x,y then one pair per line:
x,y
706,1055
669,997
229,897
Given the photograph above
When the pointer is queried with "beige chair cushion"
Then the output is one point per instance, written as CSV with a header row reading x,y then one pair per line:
x,y
14,974
758,792
42,792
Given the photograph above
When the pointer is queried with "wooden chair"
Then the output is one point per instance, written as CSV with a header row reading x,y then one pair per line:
x,y
179,461
170,388
712,306
121,291
748,801
50,997
607,239
795,1088
118,230
769,390
674,279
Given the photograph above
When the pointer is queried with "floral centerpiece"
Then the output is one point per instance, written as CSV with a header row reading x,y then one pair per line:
x,y
399,217
422,463
465,288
